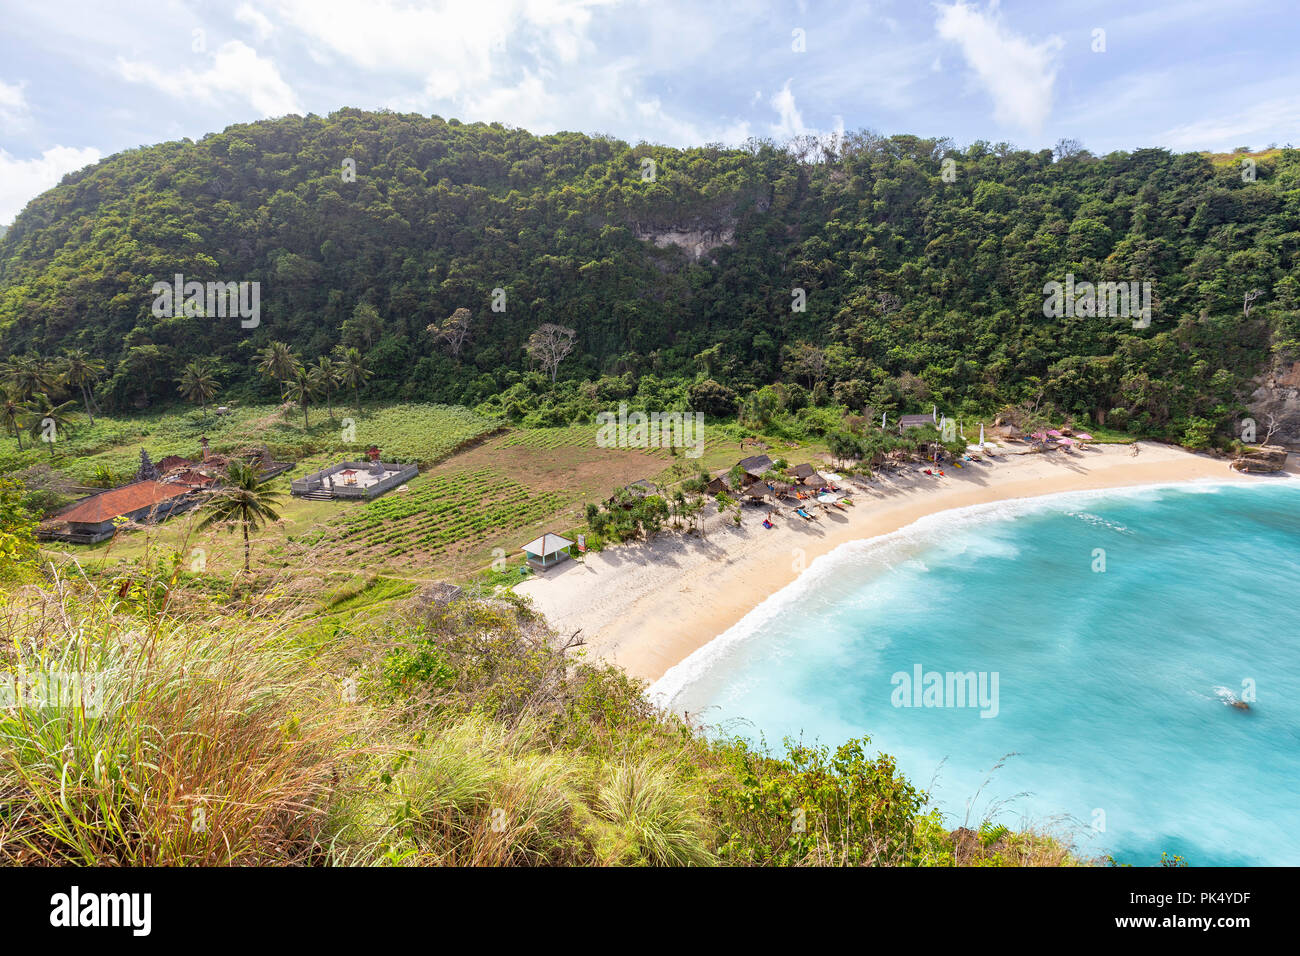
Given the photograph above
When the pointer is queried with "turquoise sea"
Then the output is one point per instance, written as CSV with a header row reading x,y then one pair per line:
x,y
1119,625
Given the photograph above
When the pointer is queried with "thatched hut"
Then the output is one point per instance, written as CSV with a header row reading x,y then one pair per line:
x,y
755,467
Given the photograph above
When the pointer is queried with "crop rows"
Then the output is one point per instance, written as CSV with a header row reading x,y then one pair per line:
x,y
444,512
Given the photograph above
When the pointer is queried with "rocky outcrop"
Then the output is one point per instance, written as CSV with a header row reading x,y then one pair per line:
x,y
1276,404
1262,460
695,239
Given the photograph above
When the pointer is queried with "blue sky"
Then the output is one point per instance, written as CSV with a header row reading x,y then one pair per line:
x,y
82,80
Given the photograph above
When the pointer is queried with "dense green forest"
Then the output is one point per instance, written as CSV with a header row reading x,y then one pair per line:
x,y
922,267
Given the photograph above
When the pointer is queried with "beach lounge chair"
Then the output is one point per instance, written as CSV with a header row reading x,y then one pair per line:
x,y
803,514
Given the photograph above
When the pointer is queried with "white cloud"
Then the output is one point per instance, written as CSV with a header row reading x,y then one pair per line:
x,y
250,15
13,104
237,72
1017,73
1255,125
790,120
454,47
21,179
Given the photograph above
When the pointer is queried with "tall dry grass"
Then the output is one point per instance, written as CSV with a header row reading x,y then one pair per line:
x,y
212,744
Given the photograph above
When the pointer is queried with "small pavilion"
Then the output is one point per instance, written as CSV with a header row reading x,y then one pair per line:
x,y
547,551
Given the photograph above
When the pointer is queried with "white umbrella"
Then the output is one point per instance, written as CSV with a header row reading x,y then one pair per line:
x,y
981,434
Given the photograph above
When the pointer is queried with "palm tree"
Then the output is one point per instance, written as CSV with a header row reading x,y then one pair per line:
x,y
353,373
81,371
30,375
46,414
277,361
327,374
12,412
244,501
198,385
304,388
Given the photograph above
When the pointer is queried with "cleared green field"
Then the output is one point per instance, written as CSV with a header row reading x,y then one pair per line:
x,y
420,433
584,436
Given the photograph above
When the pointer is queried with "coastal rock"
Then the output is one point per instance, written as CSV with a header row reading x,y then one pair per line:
x,y
1262,460
1277,401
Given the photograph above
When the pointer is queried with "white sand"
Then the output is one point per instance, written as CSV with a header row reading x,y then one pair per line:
x,y
647,606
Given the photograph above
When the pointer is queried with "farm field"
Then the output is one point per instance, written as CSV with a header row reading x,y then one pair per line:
x,y
482,488
406,432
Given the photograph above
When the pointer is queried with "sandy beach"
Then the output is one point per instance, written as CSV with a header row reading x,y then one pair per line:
x,y
647,606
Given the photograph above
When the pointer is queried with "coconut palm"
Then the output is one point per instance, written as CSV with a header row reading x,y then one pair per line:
x,y
48,418
353,373
82,372
198,385
277,361
327,374
305,387
30,375
13,414
242,500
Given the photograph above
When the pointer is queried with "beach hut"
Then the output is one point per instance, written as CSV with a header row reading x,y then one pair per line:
x,y
716,487
547,551
803,471
918,421
755,467
757,492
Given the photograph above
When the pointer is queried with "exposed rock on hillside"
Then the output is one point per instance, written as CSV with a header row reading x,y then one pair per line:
x,y
695,239
1276,403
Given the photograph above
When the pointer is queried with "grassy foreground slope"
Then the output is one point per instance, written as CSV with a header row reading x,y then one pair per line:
x,y
242,733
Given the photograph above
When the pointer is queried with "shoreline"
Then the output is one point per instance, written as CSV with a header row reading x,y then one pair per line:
x,y
648,606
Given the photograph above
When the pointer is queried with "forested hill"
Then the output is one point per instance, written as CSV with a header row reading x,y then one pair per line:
x,y
921,279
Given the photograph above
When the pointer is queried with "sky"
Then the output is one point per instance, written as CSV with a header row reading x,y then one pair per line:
x,y
80,81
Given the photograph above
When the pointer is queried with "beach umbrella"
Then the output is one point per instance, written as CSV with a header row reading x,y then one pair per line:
x,y
1083,436
981,434
1054,433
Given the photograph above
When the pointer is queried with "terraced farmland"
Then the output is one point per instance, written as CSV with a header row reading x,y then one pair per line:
x,y
443,517
584,436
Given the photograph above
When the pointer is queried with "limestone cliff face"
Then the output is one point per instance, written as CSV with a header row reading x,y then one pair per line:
x,y
695,239
1278,399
